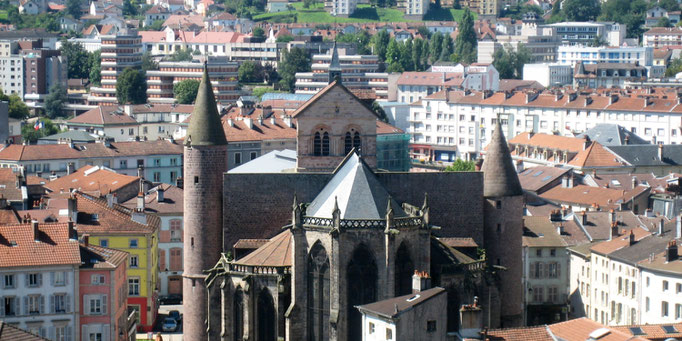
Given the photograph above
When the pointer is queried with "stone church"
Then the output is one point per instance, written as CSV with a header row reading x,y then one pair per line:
x,y
341,232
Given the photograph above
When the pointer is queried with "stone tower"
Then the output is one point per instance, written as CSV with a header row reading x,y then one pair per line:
x,y
503,227
335,69
205,162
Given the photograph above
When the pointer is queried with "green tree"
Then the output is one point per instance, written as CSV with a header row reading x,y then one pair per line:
x,y
55,100
148,62
308,3
669,5
393,52
376,107
95,62
674,67
73,8
509,63
294,60
448,48
17,108
250,72
456,5
466,42
663,22
435,46
31,135
405,59
131,87
581,10
461,166
129,8
185,92
258,32
380,42
418,54
285,38
629,12
395,67
157,25
424,32
77,59
182,55
360,40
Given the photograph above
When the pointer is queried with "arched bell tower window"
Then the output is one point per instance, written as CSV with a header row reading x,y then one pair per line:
x,y
325,144
317,144
351,140
347,143
321,143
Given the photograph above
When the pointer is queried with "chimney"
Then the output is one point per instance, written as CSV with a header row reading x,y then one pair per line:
x,y
71,209
660,152
36,231
249,122
140,172
632,237
3,202
110,200
179,182
555,215
671,251
612,216
86,239
272,121
140,202
678,227
613,99
567,181
587,142
583,218
560,229
230,122
615,230
70,168
72,230
471,317
128,109
634,182
287,121
420,281
627,140
159,193
660,227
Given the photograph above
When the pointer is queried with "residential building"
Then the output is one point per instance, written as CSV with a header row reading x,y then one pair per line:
x,y
413,86
340,8
658,37
111,225
360,73
4,122
14,190
39,270
586,33
75,136
415,9
14,129
579,329
156,12
611,134
549,74
159,160
275,6
656,13
640,56
120,51
166,42
43,68
542,41
608,75
223,78
49,39
103,293
12,75
166,202
96,181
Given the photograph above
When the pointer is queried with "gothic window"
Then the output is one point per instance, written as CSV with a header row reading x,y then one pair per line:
x,y
351,140
321,143
318,294
347,143
404,268
356,141
266,317
238,308
325,144
362,288
317,145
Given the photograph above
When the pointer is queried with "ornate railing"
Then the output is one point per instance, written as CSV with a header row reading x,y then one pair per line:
x,y
258,269
318,222
408,222
404,222
362,224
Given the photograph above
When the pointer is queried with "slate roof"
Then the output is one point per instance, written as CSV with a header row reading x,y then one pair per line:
x,y
641,250
499,176
19,248
357,191
276,161
74,135
205,127
9,332
103,115
173,200
612,135
394,307
276,252
647,155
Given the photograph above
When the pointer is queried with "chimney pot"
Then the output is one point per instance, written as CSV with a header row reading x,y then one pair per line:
x,y
86,239
632,237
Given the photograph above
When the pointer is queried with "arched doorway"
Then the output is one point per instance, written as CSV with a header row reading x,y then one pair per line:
x,y
404,268
318,294
267,318
362,288
238,314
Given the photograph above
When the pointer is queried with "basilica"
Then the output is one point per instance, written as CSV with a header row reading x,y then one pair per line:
x,y
339,232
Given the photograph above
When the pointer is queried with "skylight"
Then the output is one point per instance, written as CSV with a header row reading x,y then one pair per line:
x,y
547,178
538,173
670,329
636,331
615,182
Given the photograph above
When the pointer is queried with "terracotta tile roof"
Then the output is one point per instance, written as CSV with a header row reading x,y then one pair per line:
x,y
8,186
276,252
172,200
97,257
18,247
9,216
94,180
596,156
653,331
539,333
176,20
431,78
606,247
250,243
571,144
9,332
96,217
157,9
581,328
16,152
459,242
104,115
47,215
385,128
585,195
264,130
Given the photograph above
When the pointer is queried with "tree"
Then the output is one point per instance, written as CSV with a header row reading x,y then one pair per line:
x,y
185,92
424,32
466,42
31,134
157,25
376,107
581,10
456,5
461,166
380,42
148,62
182,55
360,40
17,108
418,54
435,46
308,3
663,22
509,63
447,49
258,32
629,12
95,62
131,87
129,8
73,7
77,59
55,100
285,38
250,72
669,5
393,52
674,68
293,61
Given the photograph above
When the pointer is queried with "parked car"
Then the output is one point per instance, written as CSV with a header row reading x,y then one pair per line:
x,y
169,325
174,314
171,299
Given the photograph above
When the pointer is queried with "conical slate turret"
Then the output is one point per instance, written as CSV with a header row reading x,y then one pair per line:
x,y
335,66
205,128
499,176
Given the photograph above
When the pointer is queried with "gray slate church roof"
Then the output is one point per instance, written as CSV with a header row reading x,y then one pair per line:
x,y
499,176
205,127
357,192
647,154
612,135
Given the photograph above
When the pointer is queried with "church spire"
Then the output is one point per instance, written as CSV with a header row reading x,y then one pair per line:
x,y
205,128
499,176
335,66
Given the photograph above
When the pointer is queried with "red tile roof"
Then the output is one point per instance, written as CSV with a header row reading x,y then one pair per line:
x,y
93,180
581,329
606,247
96,217
104,115
97,257
16,152
18,246
276,252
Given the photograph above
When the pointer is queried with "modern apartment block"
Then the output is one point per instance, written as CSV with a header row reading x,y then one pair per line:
x,y
415,9
223,75
119,51
642,56
659,37
341,8
549,74
587,33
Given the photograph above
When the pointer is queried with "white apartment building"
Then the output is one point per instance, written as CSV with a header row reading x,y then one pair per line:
x,y
659,37
585,33
415,9
570,55
549,74
463,120
413,86
342,8
12,75
541,41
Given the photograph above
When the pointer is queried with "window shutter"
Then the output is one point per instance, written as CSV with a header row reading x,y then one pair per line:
x,y
558,269
69,333
2,306
84,332
162,259
25,305
40,280
52,278
17,306
86,305
106,332
51,333
42,304
531,272
104,304
67,300
27,280
52,307
66,278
